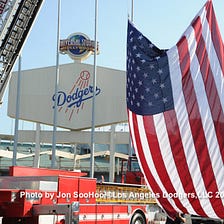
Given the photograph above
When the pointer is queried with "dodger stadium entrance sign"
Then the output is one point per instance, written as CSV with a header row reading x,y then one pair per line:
x,y
74,96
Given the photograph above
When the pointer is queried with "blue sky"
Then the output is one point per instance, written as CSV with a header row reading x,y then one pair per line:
x,y
163,22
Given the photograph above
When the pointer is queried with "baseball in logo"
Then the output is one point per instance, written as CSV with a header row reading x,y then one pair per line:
x,y
74,100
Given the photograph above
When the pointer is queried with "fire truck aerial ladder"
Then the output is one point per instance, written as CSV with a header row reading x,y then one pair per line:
x,y
16,20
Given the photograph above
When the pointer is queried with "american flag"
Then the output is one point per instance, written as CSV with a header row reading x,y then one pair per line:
x,y
175,101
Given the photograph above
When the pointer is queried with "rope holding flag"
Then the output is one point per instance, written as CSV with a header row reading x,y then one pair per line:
x,y
175,104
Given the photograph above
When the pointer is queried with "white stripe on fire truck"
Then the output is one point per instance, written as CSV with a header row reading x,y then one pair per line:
x,y
104,216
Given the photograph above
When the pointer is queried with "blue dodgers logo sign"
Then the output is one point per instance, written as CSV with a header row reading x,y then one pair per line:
x,y
80,92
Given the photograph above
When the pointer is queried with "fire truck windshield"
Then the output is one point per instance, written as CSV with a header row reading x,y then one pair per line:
x,y
135,166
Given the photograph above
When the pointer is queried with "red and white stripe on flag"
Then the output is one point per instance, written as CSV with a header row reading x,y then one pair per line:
x,y
181,151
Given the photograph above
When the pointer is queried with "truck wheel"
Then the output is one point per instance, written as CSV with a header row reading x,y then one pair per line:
x,y
138,219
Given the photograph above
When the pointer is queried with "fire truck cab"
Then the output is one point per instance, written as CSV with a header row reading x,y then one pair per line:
x,y
131,172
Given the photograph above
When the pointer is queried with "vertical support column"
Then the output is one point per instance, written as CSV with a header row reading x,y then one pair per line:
x,y
118,166
92,158
36,161
112,153
16,131
57,74
75,154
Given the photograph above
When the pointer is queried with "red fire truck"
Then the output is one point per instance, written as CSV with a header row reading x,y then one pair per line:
x,y
43,196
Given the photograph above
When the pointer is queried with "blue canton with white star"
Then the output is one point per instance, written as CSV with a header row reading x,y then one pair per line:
x,y
149,88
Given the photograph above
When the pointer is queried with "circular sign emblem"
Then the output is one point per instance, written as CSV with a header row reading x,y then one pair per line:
x,y
78,46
